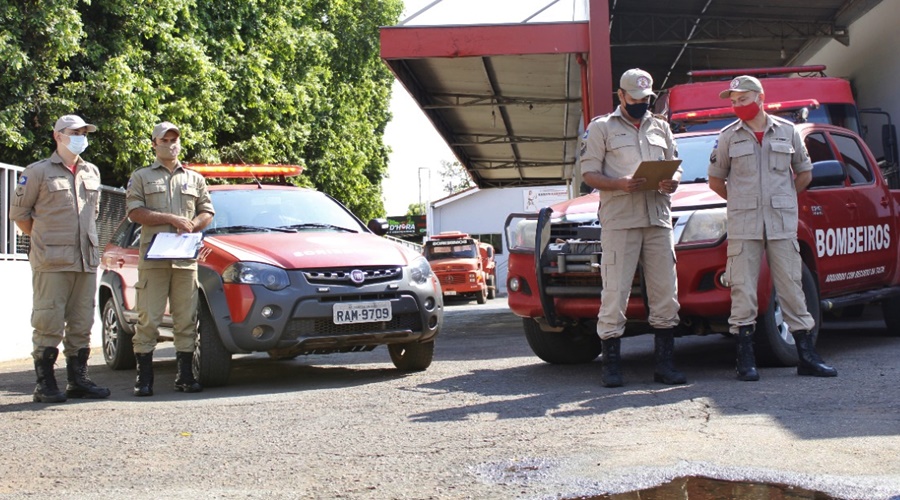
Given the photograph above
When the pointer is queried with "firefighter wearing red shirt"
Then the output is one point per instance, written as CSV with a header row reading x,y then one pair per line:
x,y
756,159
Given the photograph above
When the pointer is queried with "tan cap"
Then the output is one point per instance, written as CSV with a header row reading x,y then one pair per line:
x,y
72,121
742,84
161,128
637,82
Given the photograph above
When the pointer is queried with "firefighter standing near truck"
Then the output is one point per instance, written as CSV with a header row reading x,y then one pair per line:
x,y
636,223
755,159
57,202
166,197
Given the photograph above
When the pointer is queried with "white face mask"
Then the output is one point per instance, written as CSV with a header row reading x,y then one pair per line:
x,y
77,144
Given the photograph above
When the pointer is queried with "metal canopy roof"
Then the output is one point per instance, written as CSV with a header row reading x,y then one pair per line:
x,y
508,98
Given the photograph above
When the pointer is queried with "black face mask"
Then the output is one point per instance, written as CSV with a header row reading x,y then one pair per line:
x,y
637,110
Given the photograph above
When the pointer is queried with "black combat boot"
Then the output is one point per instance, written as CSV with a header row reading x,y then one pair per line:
x,y
746,360
80,386
611,372
46,390
143,385
185,381
809,362
664,358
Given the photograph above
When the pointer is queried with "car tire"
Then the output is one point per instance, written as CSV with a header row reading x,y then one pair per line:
x,y
573,345
481,297
413,357
118,350
774,344
890,308
212,362
492,287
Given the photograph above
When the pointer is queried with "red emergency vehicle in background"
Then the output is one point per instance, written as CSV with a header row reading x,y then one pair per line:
x,y
847,235
810,97
464,265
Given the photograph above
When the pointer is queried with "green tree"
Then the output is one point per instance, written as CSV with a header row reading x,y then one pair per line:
x,y
294,81
416,209
454,177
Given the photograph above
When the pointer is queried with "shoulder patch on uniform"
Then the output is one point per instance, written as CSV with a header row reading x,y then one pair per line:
x,y
23,179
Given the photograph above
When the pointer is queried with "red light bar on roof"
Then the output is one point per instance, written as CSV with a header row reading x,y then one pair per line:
x,y
244,170
716,113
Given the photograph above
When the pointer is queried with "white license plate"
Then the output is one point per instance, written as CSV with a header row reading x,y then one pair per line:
x,y
362,312
450,292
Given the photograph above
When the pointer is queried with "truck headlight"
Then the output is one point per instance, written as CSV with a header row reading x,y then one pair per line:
x,y
703,226
256,273
419,271
520,233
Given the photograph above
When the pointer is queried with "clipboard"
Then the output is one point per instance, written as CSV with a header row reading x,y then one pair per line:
x,y
655,171
167,246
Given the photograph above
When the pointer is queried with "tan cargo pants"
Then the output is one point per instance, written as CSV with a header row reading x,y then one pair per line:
x,y
742,271
154,288
654,248
63,310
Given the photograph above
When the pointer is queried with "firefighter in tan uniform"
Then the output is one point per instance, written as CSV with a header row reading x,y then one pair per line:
x,y
756,159
636,224
165,197
57,202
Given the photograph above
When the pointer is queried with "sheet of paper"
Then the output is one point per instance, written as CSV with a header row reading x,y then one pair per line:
x,y
655,171
175,246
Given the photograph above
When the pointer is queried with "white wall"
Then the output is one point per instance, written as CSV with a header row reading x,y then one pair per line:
x,y
870,63
15,309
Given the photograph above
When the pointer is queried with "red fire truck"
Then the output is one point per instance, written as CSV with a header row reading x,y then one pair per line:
x,y
464,266
847,236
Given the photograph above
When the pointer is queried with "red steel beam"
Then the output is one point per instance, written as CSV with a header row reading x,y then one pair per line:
x,y
416,42
600,60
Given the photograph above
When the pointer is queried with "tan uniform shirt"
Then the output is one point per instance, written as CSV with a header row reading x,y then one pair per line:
x,y
614,147
762,200
182,192
64,208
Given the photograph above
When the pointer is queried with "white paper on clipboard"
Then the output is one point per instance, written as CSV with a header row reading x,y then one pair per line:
x,y
174,246
655,171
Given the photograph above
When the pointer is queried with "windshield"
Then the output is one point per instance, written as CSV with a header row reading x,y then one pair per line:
x,y
842,115
694,152
284,210
435,250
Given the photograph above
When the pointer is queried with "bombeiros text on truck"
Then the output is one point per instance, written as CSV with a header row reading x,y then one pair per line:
x,y
847,231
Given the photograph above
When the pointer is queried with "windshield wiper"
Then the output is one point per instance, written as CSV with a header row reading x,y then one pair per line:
x,y
248,229
318,225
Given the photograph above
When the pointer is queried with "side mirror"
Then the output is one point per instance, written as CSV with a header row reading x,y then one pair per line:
x,y
829,173
378,226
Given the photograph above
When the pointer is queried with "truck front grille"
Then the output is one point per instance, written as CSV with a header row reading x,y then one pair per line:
x,y
342,276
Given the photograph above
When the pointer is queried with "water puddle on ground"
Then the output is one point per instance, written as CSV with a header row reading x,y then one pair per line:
x,y
704,488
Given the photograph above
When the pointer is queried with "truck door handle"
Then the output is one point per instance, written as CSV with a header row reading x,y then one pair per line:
x,y
851,206
884,202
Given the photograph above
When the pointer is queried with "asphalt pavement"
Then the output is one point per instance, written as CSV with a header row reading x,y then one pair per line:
x,y
487,420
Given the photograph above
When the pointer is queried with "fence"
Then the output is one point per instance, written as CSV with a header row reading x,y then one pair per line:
x,y
14,244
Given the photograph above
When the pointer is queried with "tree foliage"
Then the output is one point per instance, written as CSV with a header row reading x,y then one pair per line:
x,y
254,81
416,209
454,177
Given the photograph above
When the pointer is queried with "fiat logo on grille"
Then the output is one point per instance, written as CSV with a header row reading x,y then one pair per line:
x,y
357,276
